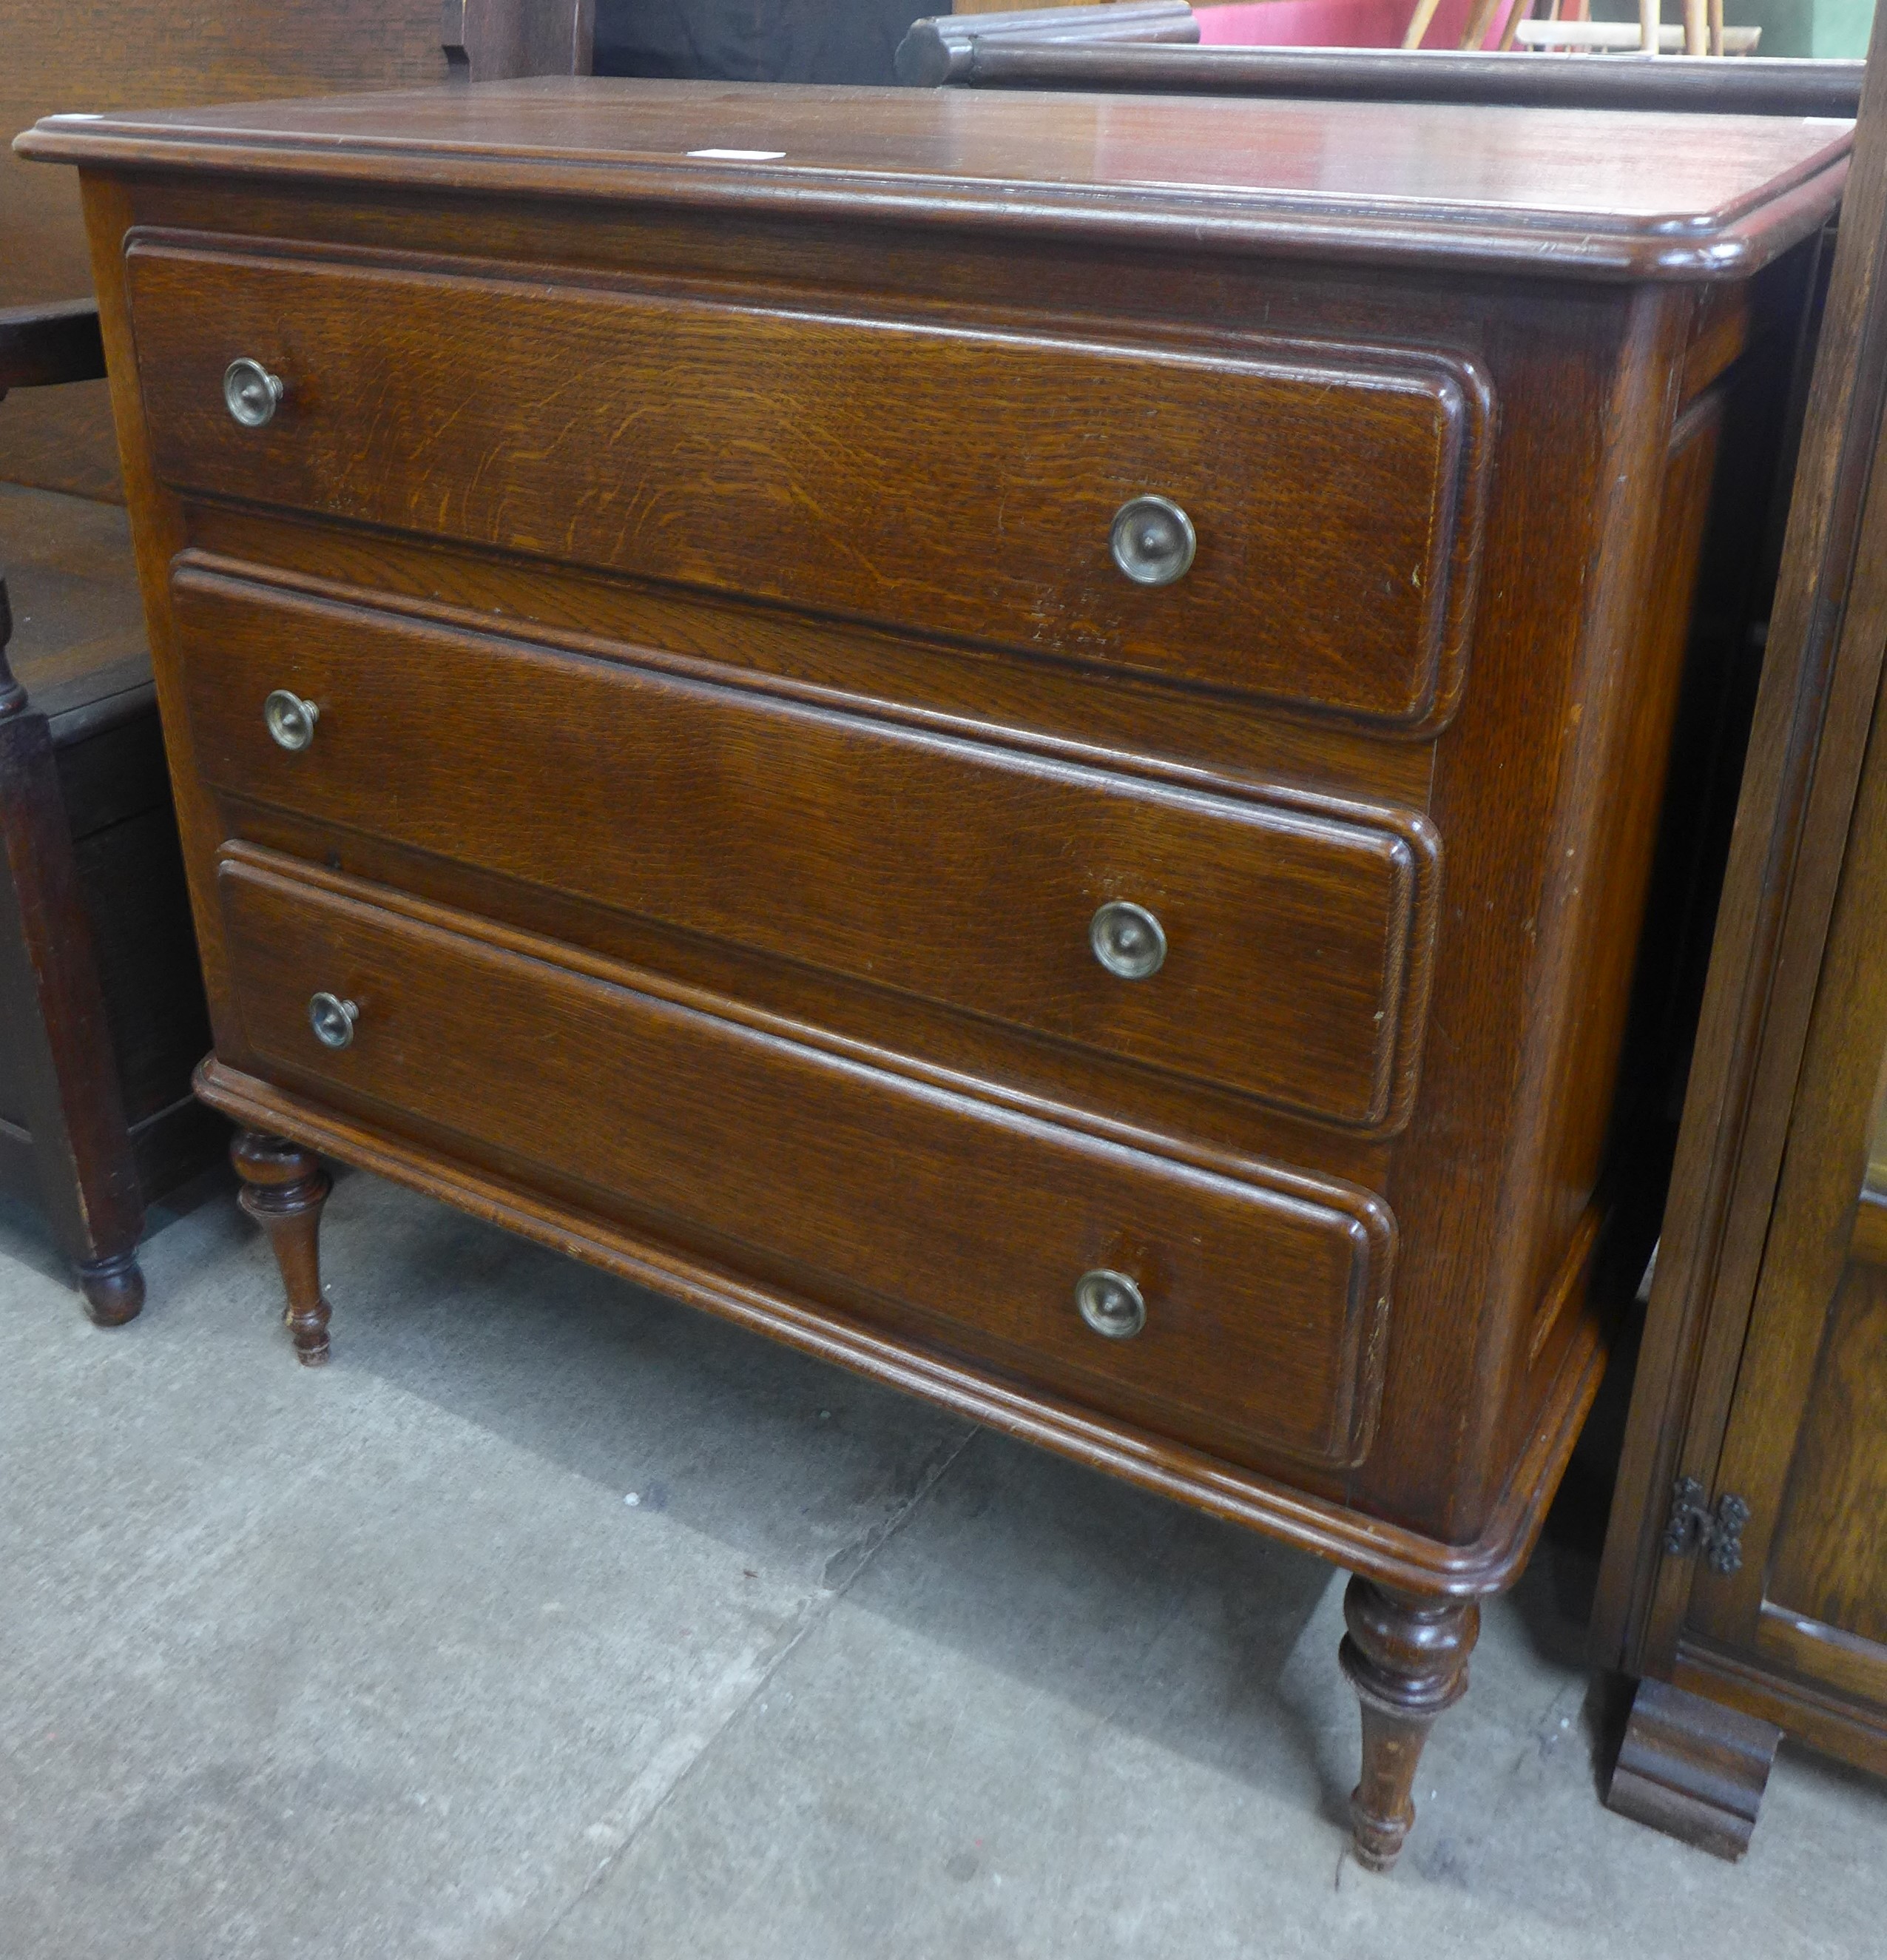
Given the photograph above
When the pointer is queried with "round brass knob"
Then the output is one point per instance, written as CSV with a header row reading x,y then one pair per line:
x,y
1111,1304
1127,939
290,720
1153,540
250,393
332,1019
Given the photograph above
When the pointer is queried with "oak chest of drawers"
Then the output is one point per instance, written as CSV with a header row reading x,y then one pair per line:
x,y
1018,740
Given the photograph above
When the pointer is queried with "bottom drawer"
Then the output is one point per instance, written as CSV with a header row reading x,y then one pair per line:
x,y
969,1227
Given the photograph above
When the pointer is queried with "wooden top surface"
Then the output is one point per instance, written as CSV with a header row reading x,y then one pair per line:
x,y
1581,192
79,645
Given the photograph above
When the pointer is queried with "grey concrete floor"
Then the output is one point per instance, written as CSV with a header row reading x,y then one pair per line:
x,y
385,1660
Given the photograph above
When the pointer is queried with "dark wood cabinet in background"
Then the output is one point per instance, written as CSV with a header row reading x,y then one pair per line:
x,y
1745,1574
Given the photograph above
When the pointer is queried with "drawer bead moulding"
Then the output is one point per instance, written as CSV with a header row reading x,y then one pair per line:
x,y
1028,733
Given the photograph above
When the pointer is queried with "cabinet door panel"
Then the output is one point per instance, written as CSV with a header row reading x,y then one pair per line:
x,y
1830,1561
1806,1446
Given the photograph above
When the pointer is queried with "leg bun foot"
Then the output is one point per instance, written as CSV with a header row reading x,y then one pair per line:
x,y
113,1289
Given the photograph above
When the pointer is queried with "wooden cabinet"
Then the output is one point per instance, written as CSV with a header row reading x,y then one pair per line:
x,y
103,1017
1745,1573
1019,742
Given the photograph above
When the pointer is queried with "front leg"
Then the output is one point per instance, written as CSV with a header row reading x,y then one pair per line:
x,y
1407,1658
284,1189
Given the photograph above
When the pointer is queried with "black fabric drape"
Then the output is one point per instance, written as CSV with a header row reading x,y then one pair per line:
x,y
755,40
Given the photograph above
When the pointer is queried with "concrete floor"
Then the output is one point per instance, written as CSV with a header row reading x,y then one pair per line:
x,y
385,1660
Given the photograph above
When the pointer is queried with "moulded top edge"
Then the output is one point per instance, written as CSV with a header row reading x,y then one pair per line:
x,y
1578,193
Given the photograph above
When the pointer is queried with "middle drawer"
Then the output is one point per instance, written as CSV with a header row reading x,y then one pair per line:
x,y
1289,939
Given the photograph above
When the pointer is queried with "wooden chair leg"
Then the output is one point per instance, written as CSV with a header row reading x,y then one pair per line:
x,y
284,1189
1419,21
1479,21
52,1014
1407,1658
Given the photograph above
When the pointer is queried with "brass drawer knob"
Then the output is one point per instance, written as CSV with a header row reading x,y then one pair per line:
x,y
1127,939
1153,540
250,393
290,720
332,1019
1111,1304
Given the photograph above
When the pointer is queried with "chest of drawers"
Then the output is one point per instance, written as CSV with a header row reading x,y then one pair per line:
x,y
1016,740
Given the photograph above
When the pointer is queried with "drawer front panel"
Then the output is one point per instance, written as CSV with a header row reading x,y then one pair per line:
x,y
1263,1306
1297,941
942,480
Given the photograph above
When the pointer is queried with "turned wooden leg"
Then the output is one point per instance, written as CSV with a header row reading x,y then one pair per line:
x,y
113,1289
284,1189
1407,1658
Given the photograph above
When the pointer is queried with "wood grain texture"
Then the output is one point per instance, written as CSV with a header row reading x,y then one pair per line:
x,y
53,1020
1336,504
62,441
1298,929
1785,1433
1407,1659
1693,1768
1767,1686
953,688
1831,1565
888,1158
79,646
47,343
1283,1506
80,643
1585,393
1812,717
1563,192
1263,1305
95,56
1763,1372
284,1189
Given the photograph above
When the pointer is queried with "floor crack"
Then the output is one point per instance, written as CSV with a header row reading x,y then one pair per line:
x,y
839,1573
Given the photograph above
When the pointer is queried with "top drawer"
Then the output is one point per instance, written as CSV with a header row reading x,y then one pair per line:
x,y
929,476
